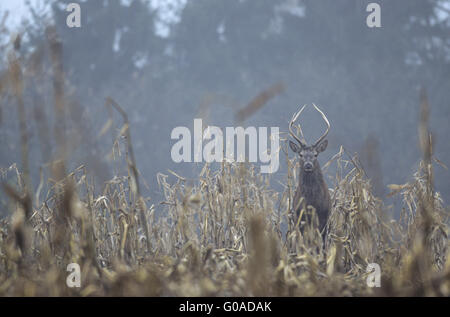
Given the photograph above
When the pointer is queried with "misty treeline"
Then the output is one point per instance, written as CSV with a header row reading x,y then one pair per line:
x,y
211,59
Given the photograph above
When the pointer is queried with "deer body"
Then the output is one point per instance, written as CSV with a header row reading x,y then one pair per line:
x,y
314,190
311,187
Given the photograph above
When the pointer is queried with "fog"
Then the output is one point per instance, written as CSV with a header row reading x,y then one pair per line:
x,y
167,63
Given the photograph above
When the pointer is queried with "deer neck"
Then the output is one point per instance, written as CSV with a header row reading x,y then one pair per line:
x,y
311,181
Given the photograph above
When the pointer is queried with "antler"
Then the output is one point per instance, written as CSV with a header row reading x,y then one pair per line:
x,y
294,118
328,126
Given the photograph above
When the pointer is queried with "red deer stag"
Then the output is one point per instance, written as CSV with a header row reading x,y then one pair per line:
x,y
311,187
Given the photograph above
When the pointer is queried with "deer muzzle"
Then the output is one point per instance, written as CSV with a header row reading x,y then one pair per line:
x,y
308,167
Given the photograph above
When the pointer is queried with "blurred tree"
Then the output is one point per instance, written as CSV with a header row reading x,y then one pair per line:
x,y
113,41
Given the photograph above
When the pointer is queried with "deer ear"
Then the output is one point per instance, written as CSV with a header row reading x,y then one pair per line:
x,y
294,147
322,146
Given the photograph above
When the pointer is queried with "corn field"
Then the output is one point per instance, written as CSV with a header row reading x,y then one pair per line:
x,y
225,233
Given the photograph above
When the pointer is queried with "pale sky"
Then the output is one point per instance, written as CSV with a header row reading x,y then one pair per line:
x,y
168,11
17,9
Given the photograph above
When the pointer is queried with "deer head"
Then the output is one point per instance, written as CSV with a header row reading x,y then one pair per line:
x,y
308,153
